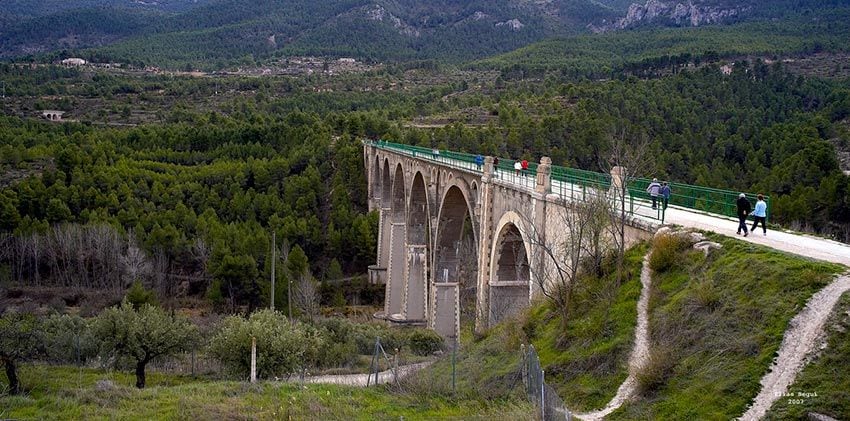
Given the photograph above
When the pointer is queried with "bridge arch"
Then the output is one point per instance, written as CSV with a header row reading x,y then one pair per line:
x,y
510,273
397,253
376,178
455,256
416,288
386,185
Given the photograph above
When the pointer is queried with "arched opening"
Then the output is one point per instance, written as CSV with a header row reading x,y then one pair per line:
x,y
386,186
417,253
475,197
456,268
397,250
376,178
384,193
509,285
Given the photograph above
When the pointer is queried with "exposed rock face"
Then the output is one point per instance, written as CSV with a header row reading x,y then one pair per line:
x,y
378,13
676,13
513,24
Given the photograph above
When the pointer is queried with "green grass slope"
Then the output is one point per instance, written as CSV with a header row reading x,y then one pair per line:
x,y
66,393
716,323
824,385
586,361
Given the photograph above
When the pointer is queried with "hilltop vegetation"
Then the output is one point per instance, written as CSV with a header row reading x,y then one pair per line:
x,y
226,33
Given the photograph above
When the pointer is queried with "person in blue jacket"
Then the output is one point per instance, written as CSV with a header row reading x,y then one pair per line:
x,y
479,160
760,215
666,192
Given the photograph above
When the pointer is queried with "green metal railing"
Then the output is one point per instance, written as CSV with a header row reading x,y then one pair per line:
x,y
572,183
704,199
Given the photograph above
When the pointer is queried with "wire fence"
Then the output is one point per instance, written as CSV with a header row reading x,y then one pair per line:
x,y
542,395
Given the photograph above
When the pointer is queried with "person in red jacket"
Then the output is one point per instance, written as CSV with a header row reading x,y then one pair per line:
x,y
524,167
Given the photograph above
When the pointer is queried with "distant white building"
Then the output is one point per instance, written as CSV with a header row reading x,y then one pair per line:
x,y
347,60
73,61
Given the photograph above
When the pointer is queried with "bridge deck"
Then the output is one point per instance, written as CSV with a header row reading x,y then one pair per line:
x,y
791,242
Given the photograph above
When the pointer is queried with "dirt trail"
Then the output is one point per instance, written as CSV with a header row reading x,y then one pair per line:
x,y
640,352
360,380
799,341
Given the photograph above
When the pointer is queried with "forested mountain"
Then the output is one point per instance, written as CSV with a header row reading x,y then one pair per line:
x,y
218,32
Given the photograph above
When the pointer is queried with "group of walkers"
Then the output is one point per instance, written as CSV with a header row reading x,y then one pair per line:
x,y
759,214
659,191
520,167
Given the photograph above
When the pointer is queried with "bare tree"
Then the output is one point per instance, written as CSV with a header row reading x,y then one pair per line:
x,y
306,295
580,237
202,251
626,159
135,261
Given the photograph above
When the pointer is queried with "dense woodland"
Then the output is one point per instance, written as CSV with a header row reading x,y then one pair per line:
x,y
195,202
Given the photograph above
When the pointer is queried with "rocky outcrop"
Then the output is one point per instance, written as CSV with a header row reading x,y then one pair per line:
x,y
378,13
513,24
672,13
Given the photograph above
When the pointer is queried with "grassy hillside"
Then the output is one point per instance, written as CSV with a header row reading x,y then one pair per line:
x,y
716,323
586,361
824,385
824,30
61,393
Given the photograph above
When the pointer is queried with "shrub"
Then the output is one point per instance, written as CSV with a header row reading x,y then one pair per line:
x,y
138,296
283,346
69,339
656,370
665,251
424,342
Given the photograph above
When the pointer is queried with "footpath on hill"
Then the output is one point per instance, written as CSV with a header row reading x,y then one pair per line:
x,y
640,352
807,327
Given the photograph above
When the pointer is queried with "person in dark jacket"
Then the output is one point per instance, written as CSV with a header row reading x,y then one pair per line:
x,y
743,211
666,192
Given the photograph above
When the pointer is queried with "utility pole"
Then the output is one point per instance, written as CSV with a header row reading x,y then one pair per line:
x,y
289,295
274,248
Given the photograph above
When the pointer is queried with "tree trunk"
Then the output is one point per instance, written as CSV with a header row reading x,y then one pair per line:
x,y
140,374
12,375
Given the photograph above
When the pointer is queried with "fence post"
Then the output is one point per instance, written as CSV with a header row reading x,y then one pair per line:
x,y
543,394
253,359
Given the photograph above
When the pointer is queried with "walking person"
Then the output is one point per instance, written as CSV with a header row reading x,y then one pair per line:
x,y
524,167
517,167
760,215
496,166
654,189
743,210
479,160
666,192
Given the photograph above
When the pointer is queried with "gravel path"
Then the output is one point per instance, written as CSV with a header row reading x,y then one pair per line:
x,y
360,380
800,340
640,352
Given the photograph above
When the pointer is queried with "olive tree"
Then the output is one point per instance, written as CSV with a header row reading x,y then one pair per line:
x,y
283,346
20,340
143,335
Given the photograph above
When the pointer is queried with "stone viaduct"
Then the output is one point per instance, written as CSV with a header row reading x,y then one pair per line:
x,y
454,235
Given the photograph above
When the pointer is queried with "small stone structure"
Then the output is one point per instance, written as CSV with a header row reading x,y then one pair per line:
x,y
52,115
